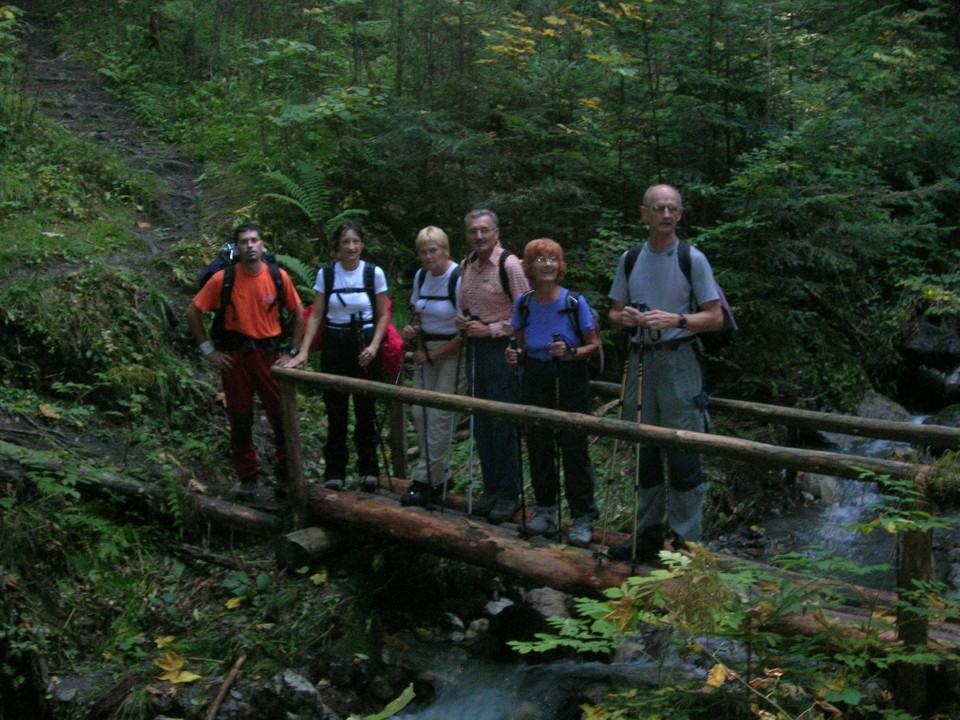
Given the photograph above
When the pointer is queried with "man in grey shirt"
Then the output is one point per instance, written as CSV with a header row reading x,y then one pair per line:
x,y
655,301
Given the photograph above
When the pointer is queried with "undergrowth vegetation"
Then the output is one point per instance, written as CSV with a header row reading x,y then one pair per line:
x,y
738,640
829,242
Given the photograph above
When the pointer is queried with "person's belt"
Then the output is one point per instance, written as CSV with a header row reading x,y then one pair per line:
x,y
346,327
436,336
669,344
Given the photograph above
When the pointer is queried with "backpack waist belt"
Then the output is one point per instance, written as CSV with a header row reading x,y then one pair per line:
x,y
346,327
233,340
435,336
669,344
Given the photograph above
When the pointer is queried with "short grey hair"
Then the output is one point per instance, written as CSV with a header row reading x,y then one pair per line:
x,y
480,212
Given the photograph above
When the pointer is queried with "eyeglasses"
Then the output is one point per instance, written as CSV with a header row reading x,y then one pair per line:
x,y
484,231
664,209
544,260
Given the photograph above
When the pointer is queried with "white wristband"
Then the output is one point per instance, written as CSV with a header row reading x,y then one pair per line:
x,y
206,347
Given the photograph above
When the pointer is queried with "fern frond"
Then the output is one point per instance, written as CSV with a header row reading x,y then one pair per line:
x,y
335,221
302,274
307,190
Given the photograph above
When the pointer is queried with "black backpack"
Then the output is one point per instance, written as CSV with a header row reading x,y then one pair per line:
x,y
226,260
714,341
451,295
368,285
596,361
504,278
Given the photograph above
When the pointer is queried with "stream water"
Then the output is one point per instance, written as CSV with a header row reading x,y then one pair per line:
x,y
826,529
470,689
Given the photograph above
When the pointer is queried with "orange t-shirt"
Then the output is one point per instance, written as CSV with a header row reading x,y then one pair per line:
x,y
250,311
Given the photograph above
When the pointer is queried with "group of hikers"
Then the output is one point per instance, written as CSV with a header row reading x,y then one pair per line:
x,y
496,328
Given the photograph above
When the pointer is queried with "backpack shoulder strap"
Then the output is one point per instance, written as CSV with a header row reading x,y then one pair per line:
x,y
504,278
573,310
525,309
421,278
327,287
369,284
279,299
683,258
630,261
452,285
229,275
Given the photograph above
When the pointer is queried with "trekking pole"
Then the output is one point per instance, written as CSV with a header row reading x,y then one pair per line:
x,y
655,335
613,457
636,458
473,388
356,322
557,337
516,395
421,345
453,423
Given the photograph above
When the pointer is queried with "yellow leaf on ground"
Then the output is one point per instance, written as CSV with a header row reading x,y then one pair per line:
x,y
48,412
163,641
233,603
171,661
717,675
179,676
141,224
319,578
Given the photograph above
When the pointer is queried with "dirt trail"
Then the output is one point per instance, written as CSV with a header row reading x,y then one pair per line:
x,y
68,93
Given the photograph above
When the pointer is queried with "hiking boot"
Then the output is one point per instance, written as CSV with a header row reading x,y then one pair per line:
x,y
581,533
369,483
245,492
624,552
334,484
504,508
544,522
483,506
418,495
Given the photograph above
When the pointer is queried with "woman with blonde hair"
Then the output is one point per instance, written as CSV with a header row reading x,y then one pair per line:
x,y
436,358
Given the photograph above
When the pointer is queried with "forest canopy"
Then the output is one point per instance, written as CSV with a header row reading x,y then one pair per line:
x,y
817,144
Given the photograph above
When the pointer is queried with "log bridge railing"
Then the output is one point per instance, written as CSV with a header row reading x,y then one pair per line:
x,y
915,557
828,463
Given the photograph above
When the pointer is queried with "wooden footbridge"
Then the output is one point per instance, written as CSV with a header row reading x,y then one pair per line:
x,y
452,534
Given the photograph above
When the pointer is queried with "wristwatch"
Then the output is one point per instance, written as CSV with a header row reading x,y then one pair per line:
x,y
293,351
682,322
572,350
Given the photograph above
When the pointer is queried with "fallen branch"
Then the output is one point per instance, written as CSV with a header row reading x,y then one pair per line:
x,y
227,682
150,496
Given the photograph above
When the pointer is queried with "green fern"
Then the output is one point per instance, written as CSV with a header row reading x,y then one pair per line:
x,y
300,273
307,190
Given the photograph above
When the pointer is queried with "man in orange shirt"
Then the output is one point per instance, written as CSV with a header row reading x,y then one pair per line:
x,y
248,348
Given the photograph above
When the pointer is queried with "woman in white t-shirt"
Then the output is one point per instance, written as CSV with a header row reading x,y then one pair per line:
x,y
356,325
437,362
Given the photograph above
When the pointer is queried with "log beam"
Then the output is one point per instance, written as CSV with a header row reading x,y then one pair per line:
x,y
825,463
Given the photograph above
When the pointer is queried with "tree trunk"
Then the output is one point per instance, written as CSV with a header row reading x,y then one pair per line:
x,y
304,547
150,497
450,534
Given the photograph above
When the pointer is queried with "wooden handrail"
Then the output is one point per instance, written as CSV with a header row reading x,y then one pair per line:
x,y
939,436
827,463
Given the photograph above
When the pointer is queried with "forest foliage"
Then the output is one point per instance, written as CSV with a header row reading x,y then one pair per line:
x,y
817,144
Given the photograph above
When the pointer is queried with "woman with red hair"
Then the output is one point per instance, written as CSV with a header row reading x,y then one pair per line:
x,y
556,335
